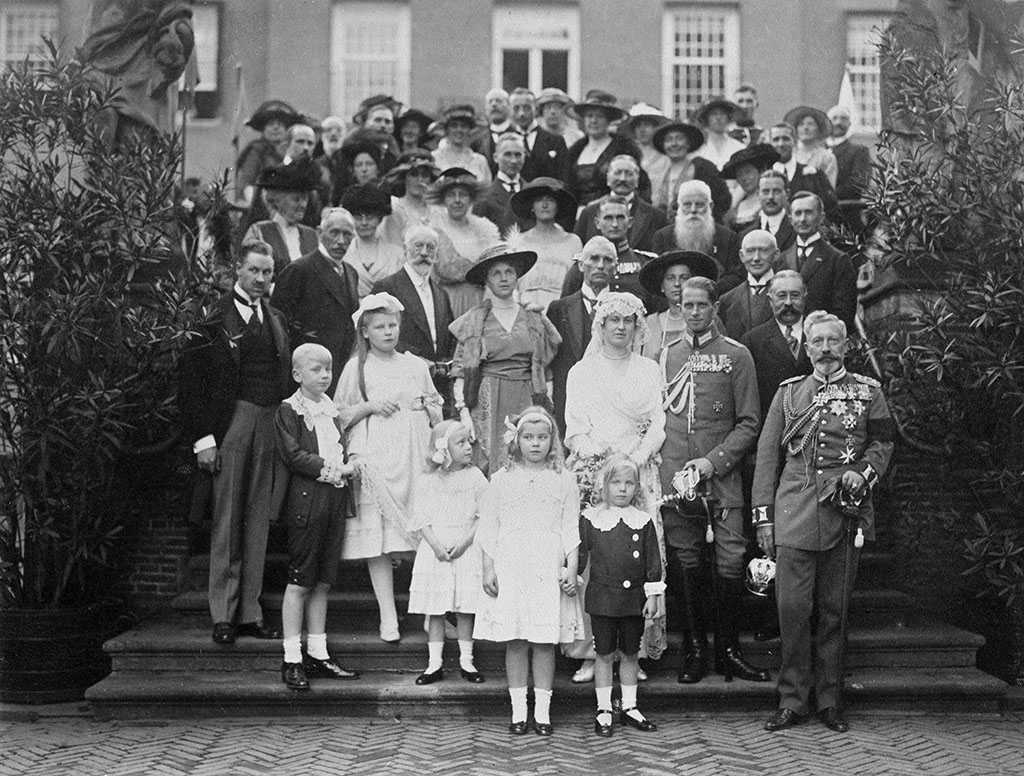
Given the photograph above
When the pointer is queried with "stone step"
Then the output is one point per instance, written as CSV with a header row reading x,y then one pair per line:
x,y
362,602
189,695
877,569
893,640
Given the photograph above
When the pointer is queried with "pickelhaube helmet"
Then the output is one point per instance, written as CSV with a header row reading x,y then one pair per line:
x,y
761,576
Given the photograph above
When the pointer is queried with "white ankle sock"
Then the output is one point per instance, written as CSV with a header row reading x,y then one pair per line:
x,y
316,646
604,698
466,655
293,649
628,696
434,649
518,696
542,706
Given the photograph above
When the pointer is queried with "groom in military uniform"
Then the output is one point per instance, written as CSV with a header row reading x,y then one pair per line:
x,y
831,436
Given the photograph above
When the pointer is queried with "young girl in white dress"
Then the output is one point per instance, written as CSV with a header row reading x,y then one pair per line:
x,y
529,535
387,404
446,574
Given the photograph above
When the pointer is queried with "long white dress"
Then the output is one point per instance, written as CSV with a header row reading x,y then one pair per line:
x,y
389,452
615,405
448,502
529,523
543,283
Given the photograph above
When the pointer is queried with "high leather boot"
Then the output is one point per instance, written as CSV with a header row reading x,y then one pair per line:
x,y
695,646
729,661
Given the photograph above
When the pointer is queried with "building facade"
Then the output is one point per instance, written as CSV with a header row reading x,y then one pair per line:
x,y
324,56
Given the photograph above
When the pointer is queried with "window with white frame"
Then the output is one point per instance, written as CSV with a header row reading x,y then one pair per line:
x,y
22,27
536,46
700,56
863,32
370,44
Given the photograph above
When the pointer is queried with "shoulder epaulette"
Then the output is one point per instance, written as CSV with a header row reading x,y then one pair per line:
x,y
866,380
795,379
731,341
646,254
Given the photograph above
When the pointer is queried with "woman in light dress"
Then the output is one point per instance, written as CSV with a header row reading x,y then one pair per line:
x,y
552,208
459,123
372,257
411,178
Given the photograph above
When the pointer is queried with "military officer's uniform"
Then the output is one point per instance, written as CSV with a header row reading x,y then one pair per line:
x,y
626,278
712,412
815,431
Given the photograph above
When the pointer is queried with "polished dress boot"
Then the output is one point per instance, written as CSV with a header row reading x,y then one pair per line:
x,y
729,660
695,645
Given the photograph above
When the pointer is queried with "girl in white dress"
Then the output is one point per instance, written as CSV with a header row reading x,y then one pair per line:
x,y
446,574
387,404
529,534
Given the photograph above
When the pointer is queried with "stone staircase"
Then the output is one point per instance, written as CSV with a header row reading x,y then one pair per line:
x,y
898,658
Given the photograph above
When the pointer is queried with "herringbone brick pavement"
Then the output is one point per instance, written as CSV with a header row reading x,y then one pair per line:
x,y
728,744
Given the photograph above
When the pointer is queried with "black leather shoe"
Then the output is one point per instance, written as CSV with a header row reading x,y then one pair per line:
x,y
294,675
224,633
640,724
691,669
433,676
517,728
258,630
473,677
326,669
782,719
740,668
543,729
605,731
834,720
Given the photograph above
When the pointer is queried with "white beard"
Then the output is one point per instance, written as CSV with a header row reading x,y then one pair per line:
x,y
695,235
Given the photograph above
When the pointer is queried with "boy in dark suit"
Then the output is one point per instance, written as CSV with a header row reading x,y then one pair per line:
x,y
309,444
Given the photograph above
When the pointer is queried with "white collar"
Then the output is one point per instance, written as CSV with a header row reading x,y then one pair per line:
x,y
278,219
534,126
238,290
805,243
505,179
798,328
589,293
774,222
605,518
761,281
499,129
834,141
309,410
417,279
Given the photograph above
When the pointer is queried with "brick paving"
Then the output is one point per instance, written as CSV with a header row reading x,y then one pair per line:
x,y
727,744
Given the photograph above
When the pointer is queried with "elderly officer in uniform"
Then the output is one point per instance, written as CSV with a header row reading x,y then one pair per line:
x,y
830,431
712,420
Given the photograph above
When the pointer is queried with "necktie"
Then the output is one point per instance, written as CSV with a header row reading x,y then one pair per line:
x,y
791,341
801,252
512,187
254,319
759,289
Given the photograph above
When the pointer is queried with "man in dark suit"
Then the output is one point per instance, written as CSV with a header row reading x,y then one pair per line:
x,y
799,177
746,306
547,156
645,219
773,193
496,202
233,377
694,229
428,313
776,344
829,275
485,140
853,159
573,315
319,292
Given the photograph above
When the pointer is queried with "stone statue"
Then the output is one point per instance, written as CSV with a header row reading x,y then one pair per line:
x,y
141,47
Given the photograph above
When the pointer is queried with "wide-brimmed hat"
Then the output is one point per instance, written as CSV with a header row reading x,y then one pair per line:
x,y
694,137
735,111
270,110
465,113
416,116
418,158
301,176
760,155
522,261
522,201
372,102
653,272
552,94
642,112
366,198
597,99
797,115
449,179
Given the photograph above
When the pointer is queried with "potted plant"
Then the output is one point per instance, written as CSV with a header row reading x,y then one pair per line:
x,y
946,199
91,321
